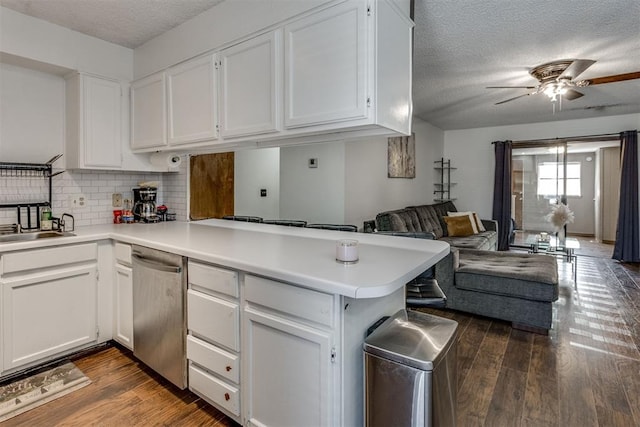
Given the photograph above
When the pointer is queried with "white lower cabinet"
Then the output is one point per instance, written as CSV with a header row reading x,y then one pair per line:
x,y
47,311
289,360
123,290
213,340
299,358
279,349
220,393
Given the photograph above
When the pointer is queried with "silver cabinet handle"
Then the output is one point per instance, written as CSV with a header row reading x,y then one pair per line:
x,y
156,265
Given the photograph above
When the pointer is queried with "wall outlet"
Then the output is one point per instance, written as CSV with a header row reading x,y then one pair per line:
x,y
77,201
116,200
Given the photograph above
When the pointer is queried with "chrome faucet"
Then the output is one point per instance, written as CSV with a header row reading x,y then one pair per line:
x,y
63,223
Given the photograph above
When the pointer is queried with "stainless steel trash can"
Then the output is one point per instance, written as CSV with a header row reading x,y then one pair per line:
x,y
410,371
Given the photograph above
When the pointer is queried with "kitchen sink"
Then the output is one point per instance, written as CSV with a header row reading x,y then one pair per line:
x,y
35,235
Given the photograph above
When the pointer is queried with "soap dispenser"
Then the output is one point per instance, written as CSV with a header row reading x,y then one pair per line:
x,y
46,222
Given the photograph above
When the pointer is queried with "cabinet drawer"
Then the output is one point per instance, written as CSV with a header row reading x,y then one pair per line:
x,y
303,303
215,390
214,319
214,279
49,257
213,358
123,253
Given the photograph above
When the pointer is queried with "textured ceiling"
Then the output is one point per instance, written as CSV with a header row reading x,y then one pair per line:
x,y
128,23
461,46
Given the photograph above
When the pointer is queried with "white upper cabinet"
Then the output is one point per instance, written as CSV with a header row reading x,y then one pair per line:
x,y
93,122
148,112
250,86
325,66
343,69
191,91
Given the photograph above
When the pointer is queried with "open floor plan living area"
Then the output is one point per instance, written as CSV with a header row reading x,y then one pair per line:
x,y
319,213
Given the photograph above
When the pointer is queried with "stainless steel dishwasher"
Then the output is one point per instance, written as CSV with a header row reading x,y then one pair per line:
x,y
159,308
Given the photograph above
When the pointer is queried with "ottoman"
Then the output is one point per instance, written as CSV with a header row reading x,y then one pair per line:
x,y
519,288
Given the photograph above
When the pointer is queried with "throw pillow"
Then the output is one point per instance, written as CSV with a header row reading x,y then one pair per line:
x,y
472,220
476,220
479,223
458,226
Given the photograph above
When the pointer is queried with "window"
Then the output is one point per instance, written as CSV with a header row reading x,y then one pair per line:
x,y
551,174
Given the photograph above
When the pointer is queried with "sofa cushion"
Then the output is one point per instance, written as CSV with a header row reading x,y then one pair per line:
x,y
429,220
527,276
399,220
442,210
483,241
459,226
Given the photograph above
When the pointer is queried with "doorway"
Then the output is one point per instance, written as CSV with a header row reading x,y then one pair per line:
x,y
583,174
541,178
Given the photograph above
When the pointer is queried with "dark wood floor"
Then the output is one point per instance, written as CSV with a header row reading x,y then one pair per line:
x,y
122,393
585,373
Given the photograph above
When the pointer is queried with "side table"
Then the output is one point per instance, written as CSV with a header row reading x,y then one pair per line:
x,y
553,247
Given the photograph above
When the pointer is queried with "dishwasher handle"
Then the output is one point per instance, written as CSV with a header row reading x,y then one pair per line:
x,y
156,265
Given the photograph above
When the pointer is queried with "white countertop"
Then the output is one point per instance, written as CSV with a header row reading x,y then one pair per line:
x,y
298,255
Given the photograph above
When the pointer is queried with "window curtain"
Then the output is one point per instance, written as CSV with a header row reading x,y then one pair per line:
x,y
502,192
627,246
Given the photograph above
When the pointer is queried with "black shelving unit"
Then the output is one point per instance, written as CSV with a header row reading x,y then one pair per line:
x,y
442,192
29,170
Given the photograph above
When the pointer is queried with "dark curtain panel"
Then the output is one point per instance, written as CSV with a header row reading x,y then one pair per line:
x,y
502,192
627,247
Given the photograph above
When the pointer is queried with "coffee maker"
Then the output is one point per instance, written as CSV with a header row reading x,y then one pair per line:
x,y
144,204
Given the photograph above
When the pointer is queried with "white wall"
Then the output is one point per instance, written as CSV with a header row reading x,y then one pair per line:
x,y
472,153
37,40
316,195
253,171
32,105
368,190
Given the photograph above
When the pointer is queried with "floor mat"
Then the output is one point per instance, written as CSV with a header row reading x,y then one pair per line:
x,y
27,393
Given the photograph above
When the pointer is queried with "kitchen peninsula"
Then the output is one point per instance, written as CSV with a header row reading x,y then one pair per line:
x,y
293,318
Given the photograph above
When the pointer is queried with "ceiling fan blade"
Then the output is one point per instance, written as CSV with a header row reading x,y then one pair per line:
x,y
572,94
510,87
515,97
576,68
609,79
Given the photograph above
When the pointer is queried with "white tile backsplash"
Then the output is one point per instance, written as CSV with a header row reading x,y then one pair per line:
x,y
96,186
175,187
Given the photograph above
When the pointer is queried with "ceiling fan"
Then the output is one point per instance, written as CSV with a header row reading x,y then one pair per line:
x,y
557,79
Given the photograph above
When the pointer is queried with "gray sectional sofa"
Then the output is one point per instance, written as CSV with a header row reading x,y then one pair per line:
x,y
516,287
428,220
519,288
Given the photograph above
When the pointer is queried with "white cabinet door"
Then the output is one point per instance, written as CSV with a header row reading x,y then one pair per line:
x,y
102,122
250,86
47,313
149,112
325,66
288,372
94,122
191,91
124,306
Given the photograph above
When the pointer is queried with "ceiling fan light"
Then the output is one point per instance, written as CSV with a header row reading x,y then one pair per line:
x,y
550,91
